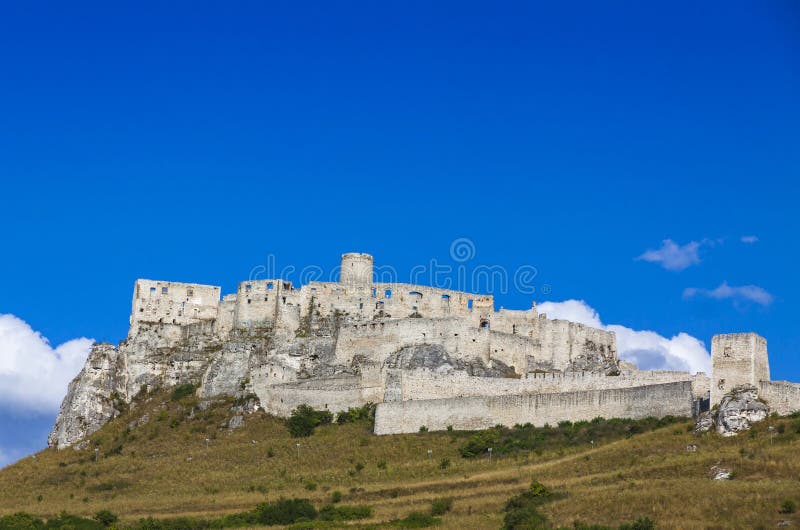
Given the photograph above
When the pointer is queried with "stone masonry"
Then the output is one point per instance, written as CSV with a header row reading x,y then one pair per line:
x,y
428,356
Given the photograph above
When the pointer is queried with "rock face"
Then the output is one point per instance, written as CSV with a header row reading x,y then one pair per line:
x,y
94,397
737,411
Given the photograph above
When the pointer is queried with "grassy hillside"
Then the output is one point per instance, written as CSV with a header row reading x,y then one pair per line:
x,y
165,468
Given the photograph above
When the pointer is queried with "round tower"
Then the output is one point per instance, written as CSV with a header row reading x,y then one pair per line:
x,y
356,269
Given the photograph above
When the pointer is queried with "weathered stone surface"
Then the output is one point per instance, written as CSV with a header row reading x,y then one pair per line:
x,y
335,345
235,422
705,422
95,396
739,409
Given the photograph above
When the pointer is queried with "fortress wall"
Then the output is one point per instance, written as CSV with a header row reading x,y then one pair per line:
x,y
564,341
515,322
256,302
334,394
737,358
425,384
396,300
172,303
226,316
782,397
472,413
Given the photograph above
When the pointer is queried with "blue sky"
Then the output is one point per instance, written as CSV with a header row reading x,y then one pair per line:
x,y
188,141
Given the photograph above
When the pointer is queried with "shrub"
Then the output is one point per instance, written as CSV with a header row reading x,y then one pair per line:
x,y
441,506
285,511
788,506
21,521
105,517
344,513
522,510
444,463
336,497
182,391
423,428
305,419
382,464
364,414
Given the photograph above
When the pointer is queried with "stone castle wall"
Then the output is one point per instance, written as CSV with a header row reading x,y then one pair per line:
x,y
172,303
426,384
736,359
782,397
473,413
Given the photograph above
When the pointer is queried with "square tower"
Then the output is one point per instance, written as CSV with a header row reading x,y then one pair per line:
x,y
736,359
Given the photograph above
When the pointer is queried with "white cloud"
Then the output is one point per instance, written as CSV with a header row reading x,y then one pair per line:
x,y
646,349
674,257
749,239
747,293
34,375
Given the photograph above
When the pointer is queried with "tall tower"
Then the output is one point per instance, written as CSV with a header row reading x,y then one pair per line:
x,y
736,359
356,270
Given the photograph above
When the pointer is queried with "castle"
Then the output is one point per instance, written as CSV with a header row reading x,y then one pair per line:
x,y
427,357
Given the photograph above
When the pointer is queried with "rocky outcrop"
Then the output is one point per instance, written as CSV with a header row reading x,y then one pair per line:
x,y
95,396
434,357
737,411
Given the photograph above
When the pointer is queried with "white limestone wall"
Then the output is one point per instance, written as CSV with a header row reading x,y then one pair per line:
x,y
334,394
472,413
422,384
782,397
737,358
172,303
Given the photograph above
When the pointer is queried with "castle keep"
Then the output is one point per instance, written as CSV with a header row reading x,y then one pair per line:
x,y
428,357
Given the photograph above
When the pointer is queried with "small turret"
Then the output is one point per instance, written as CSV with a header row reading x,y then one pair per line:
x,y
356,270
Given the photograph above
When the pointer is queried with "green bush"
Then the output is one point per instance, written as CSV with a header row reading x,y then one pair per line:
x,y
441,506
344,513
305,419
21,521
182,391
364,414
444,463
105,517
522,511
504,440
285,511
336,497
788,506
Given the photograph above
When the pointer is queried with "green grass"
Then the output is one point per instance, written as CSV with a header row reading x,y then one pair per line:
x,y
163,471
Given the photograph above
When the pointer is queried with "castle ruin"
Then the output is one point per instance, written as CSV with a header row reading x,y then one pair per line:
x,y
426,356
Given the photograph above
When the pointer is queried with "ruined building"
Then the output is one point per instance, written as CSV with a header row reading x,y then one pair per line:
x,y
428,357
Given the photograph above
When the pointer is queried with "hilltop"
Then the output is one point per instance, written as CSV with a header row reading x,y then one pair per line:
x,y
168,455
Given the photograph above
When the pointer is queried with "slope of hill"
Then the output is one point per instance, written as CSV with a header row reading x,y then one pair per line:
x,y
169,456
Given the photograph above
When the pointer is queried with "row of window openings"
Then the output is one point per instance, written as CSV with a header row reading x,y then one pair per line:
x,y
248,287
165,290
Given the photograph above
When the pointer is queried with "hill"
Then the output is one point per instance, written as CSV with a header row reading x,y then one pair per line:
x,y
171,456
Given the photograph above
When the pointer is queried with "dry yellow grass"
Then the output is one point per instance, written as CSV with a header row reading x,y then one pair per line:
x,y
165,469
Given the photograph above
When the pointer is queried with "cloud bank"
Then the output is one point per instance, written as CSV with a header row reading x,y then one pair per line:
x,y
674,257
33,374
646,349
743,293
